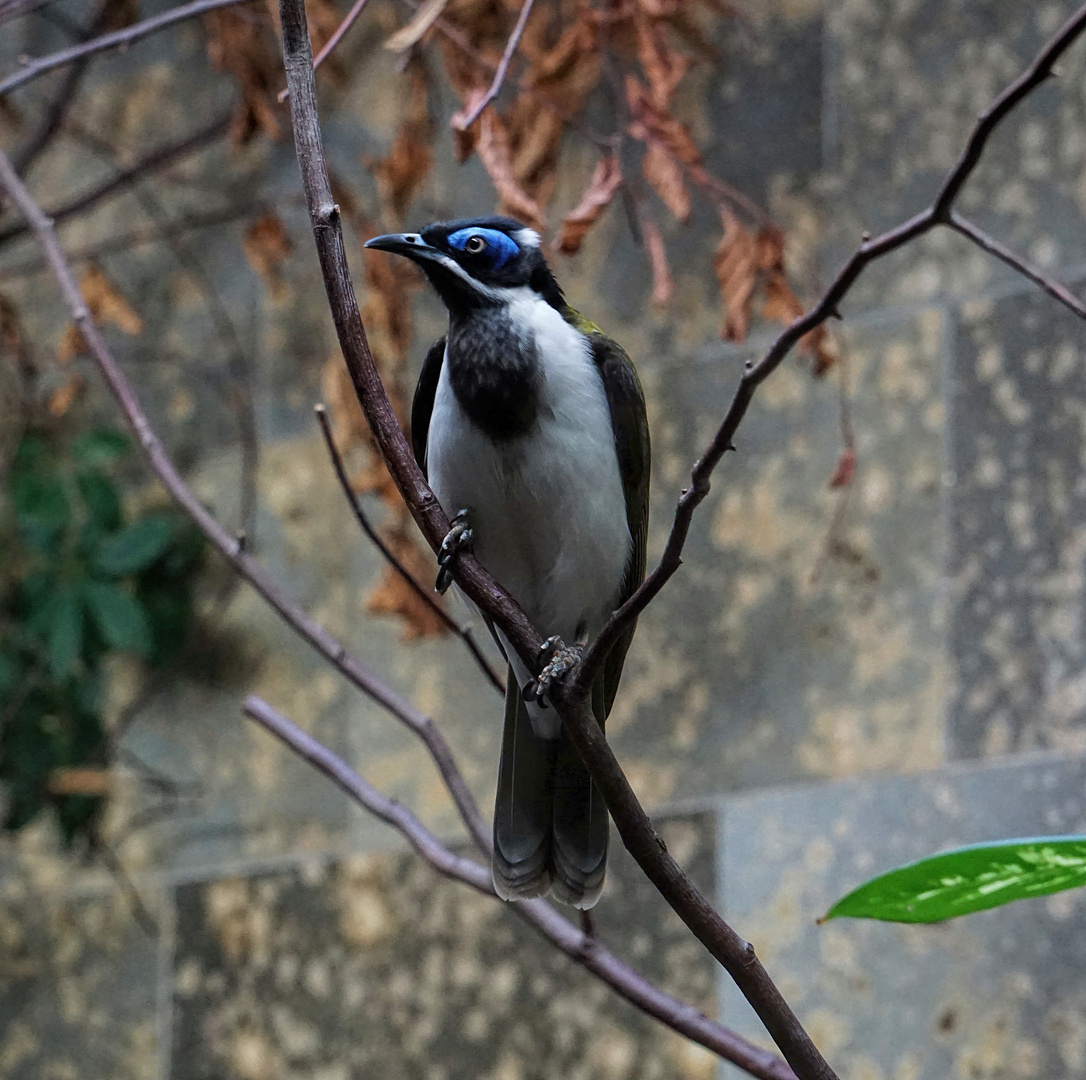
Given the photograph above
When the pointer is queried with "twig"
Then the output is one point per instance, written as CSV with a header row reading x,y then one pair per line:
x,y
229,545
420,590
581,945
158,158
939,213
127,36
332,42
572,705
503,66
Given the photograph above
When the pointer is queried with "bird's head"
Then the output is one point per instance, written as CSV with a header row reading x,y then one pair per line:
x,y
476,262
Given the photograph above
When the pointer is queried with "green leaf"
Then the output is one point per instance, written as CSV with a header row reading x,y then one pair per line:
x,y
102,500
136,547
969,879
100,446
64,621
41,508
120,618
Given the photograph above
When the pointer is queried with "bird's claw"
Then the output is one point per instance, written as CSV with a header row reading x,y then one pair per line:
x,y
558,660
458,538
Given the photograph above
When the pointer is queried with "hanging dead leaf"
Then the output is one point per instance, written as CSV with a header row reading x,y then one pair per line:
x,y
267,246
664,66
736,269
106,305
845,469
493,150
601,190
662,284
65,395
247,50
649,121
781,303
394,596
665,178
400,174
822,347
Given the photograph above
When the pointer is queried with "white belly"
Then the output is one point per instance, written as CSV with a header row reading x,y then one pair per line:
x,y
547,508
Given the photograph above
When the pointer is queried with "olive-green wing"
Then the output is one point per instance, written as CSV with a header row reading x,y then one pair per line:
x,y
631,427
422,404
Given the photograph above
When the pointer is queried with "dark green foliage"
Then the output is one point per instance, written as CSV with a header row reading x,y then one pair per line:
x,y
77,581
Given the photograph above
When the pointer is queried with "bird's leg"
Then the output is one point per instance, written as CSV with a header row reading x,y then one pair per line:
x,y
558,660
459,538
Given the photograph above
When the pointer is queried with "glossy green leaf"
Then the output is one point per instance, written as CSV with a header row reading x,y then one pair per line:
x,y
136,547
100,446
969,879
64,622
119,617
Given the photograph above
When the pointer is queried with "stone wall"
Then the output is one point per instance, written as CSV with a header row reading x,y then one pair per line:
x,y
829,687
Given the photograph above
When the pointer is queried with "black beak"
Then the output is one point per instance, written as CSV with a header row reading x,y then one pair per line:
x,y
409,244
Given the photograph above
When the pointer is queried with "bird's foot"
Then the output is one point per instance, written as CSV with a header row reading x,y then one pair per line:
x,y
459,538
558,660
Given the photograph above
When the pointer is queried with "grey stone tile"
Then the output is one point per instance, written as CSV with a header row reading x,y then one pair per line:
x,y
1017,509
78,986
907,81
373,966
997,994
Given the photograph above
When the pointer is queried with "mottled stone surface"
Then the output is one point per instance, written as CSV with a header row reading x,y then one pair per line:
x,y
79,981
1017,510
374,966
907,80
998,994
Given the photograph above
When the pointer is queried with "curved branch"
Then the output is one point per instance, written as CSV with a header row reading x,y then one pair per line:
x,y
130,34
578,946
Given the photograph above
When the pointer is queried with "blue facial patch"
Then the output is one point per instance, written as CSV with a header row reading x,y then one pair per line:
x,y
500,247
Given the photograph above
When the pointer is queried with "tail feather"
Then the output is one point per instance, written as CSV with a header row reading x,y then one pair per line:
x,y
522,812
580,822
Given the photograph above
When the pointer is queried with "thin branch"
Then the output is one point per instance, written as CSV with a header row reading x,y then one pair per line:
x,y
127,36
939,213
582,947
990,244
227,543
633,823
503,66
158,158
333,41
424,594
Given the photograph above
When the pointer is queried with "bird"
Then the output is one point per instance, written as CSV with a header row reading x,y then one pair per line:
x,y
530,426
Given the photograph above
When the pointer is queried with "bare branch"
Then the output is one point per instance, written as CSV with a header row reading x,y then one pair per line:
x,y
127,36
332,42
158,158
503,67
424,594
990,244
939,213
229,545
579,945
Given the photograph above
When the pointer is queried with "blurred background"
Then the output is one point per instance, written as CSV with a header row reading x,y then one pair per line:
x,y
874,649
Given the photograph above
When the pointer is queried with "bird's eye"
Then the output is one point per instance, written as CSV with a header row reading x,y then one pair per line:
x,y
474,244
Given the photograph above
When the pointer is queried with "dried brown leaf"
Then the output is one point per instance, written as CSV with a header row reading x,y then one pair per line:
x,y
65,395
248,51
493,150
601,190
736,266
106,305
820,344
845,469
662,284
665,178
400,174
394,596
650,122
267,246
781,304
664,66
